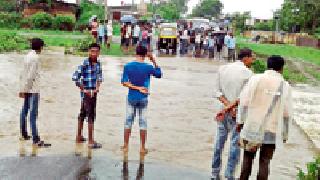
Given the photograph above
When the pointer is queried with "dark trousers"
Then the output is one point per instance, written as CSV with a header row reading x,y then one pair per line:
x,y
88,108
266,153
30,104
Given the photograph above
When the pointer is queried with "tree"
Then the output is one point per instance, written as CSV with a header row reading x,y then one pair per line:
x,y
7,5
168,11
181,5
238,20
210,8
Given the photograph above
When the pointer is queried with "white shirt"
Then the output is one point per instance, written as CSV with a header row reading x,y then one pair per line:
x,y
263,105
198,38
109,30
184,34
136,31
231,79
30,74
128,33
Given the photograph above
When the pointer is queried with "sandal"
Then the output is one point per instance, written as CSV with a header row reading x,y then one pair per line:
x,y
95,145
41,144
25,138
82,140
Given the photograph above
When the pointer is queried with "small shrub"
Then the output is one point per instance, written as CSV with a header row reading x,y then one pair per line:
x,y
83,44
259,66
26,23
12,42
313,171
65,23
10,20
41,21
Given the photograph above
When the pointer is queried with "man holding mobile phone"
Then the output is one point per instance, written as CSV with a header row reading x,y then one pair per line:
x,y
136,76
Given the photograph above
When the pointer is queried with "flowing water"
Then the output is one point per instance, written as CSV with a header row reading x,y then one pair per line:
x,y
181,128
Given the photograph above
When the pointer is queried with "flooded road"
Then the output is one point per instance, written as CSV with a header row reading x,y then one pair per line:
x,y
181,129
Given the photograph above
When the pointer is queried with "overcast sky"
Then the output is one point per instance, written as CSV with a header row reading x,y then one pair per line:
x,y
259,8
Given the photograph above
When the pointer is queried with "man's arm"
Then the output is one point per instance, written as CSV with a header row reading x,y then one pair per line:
x,y
157,70
126,83
287,114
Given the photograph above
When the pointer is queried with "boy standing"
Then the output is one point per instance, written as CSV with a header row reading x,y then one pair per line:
x,y
88,78
136,76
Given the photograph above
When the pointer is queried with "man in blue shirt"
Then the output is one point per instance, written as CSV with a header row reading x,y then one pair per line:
x,y
136,76
88,78
231,45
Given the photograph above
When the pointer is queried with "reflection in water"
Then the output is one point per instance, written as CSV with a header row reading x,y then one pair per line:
x,y
23,151
125,167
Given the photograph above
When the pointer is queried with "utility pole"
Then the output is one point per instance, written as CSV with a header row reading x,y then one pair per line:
x,y
106,17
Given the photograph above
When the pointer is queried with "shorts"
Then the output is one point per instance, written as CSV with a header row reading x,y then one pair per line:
x,y
88,108
133,108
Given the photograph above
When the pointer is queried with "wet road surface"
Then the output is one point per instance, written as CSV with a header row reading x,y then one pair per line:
x,y
181,129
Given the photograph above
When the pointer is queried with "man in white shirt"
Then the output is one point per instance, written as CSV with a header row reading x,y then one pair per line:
x,y
231,79
136,34
30,92
109,33
184,42
260,120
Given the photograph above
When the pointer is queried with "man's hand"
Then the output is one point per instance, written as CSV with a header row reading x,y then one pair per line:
x,y
86,92
239,127
96,91
220,116
143,90
22,95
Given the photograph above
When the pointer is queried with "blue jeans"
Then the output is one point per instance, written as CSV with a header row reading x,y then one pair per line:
x,y
224,128
134,107
31,102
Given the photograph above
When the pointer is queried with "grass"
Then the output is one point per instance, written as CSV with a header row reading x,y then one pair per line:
x,y
114,50
293,76
314,73
42,32
116,29
289,51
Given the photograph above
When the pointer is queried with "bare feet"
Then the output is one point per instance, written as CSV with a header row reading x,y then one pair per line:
x,y
125,148
144,151
80,139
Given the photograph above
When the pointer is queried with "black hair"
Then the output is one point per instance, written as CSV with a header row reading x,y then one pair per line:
x,y
275,62
36,44
94,45
141,50
246,52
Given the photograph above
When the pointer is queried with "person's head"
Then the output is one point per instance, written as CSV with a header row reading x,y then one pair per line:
x,y
141,52
37,44
275,63
94,51
246,56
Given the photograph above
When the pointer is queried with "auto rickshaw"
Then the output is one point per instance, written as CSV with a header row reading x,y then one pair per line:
x,y
168,37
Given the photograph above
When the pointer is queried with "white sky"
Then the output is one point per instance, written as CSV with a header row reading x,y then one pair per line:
x,y
259,8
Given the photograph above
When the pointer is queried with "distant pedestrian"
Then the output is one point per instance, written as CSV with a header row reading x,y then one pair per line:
x,y
109,33
260,121
184,42
211,46
94,29
219,43
30,92
231,79
101,33
136,33
88,78
231,45
136,76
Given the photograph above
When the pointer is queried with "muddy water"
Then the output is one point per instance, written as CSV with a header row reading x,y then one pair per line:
x,y
180,121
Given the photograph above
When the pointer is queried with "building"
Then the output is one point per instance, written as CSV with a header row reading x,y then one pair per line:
x,y
57,7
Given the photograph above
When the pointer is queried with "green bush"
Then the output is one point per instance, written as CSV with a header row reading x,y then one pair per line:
x,y
26,23
259,66
42,21
10,20
83,44
65,23
313,171
12,42
88,9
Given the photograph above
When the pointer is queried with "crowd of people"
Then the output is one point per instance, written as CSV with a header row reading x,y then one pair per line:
x,y
238,96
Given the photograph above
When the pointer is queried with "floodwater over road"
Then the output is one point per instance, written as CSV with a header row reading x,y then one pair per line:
x,y
181,129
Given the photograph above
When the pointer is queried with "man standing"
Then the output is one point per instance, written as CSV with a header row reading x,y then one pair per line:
x,y
230,81
88,78
260,120
136,34
184,42
109,33
231,45
136,76
30,92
